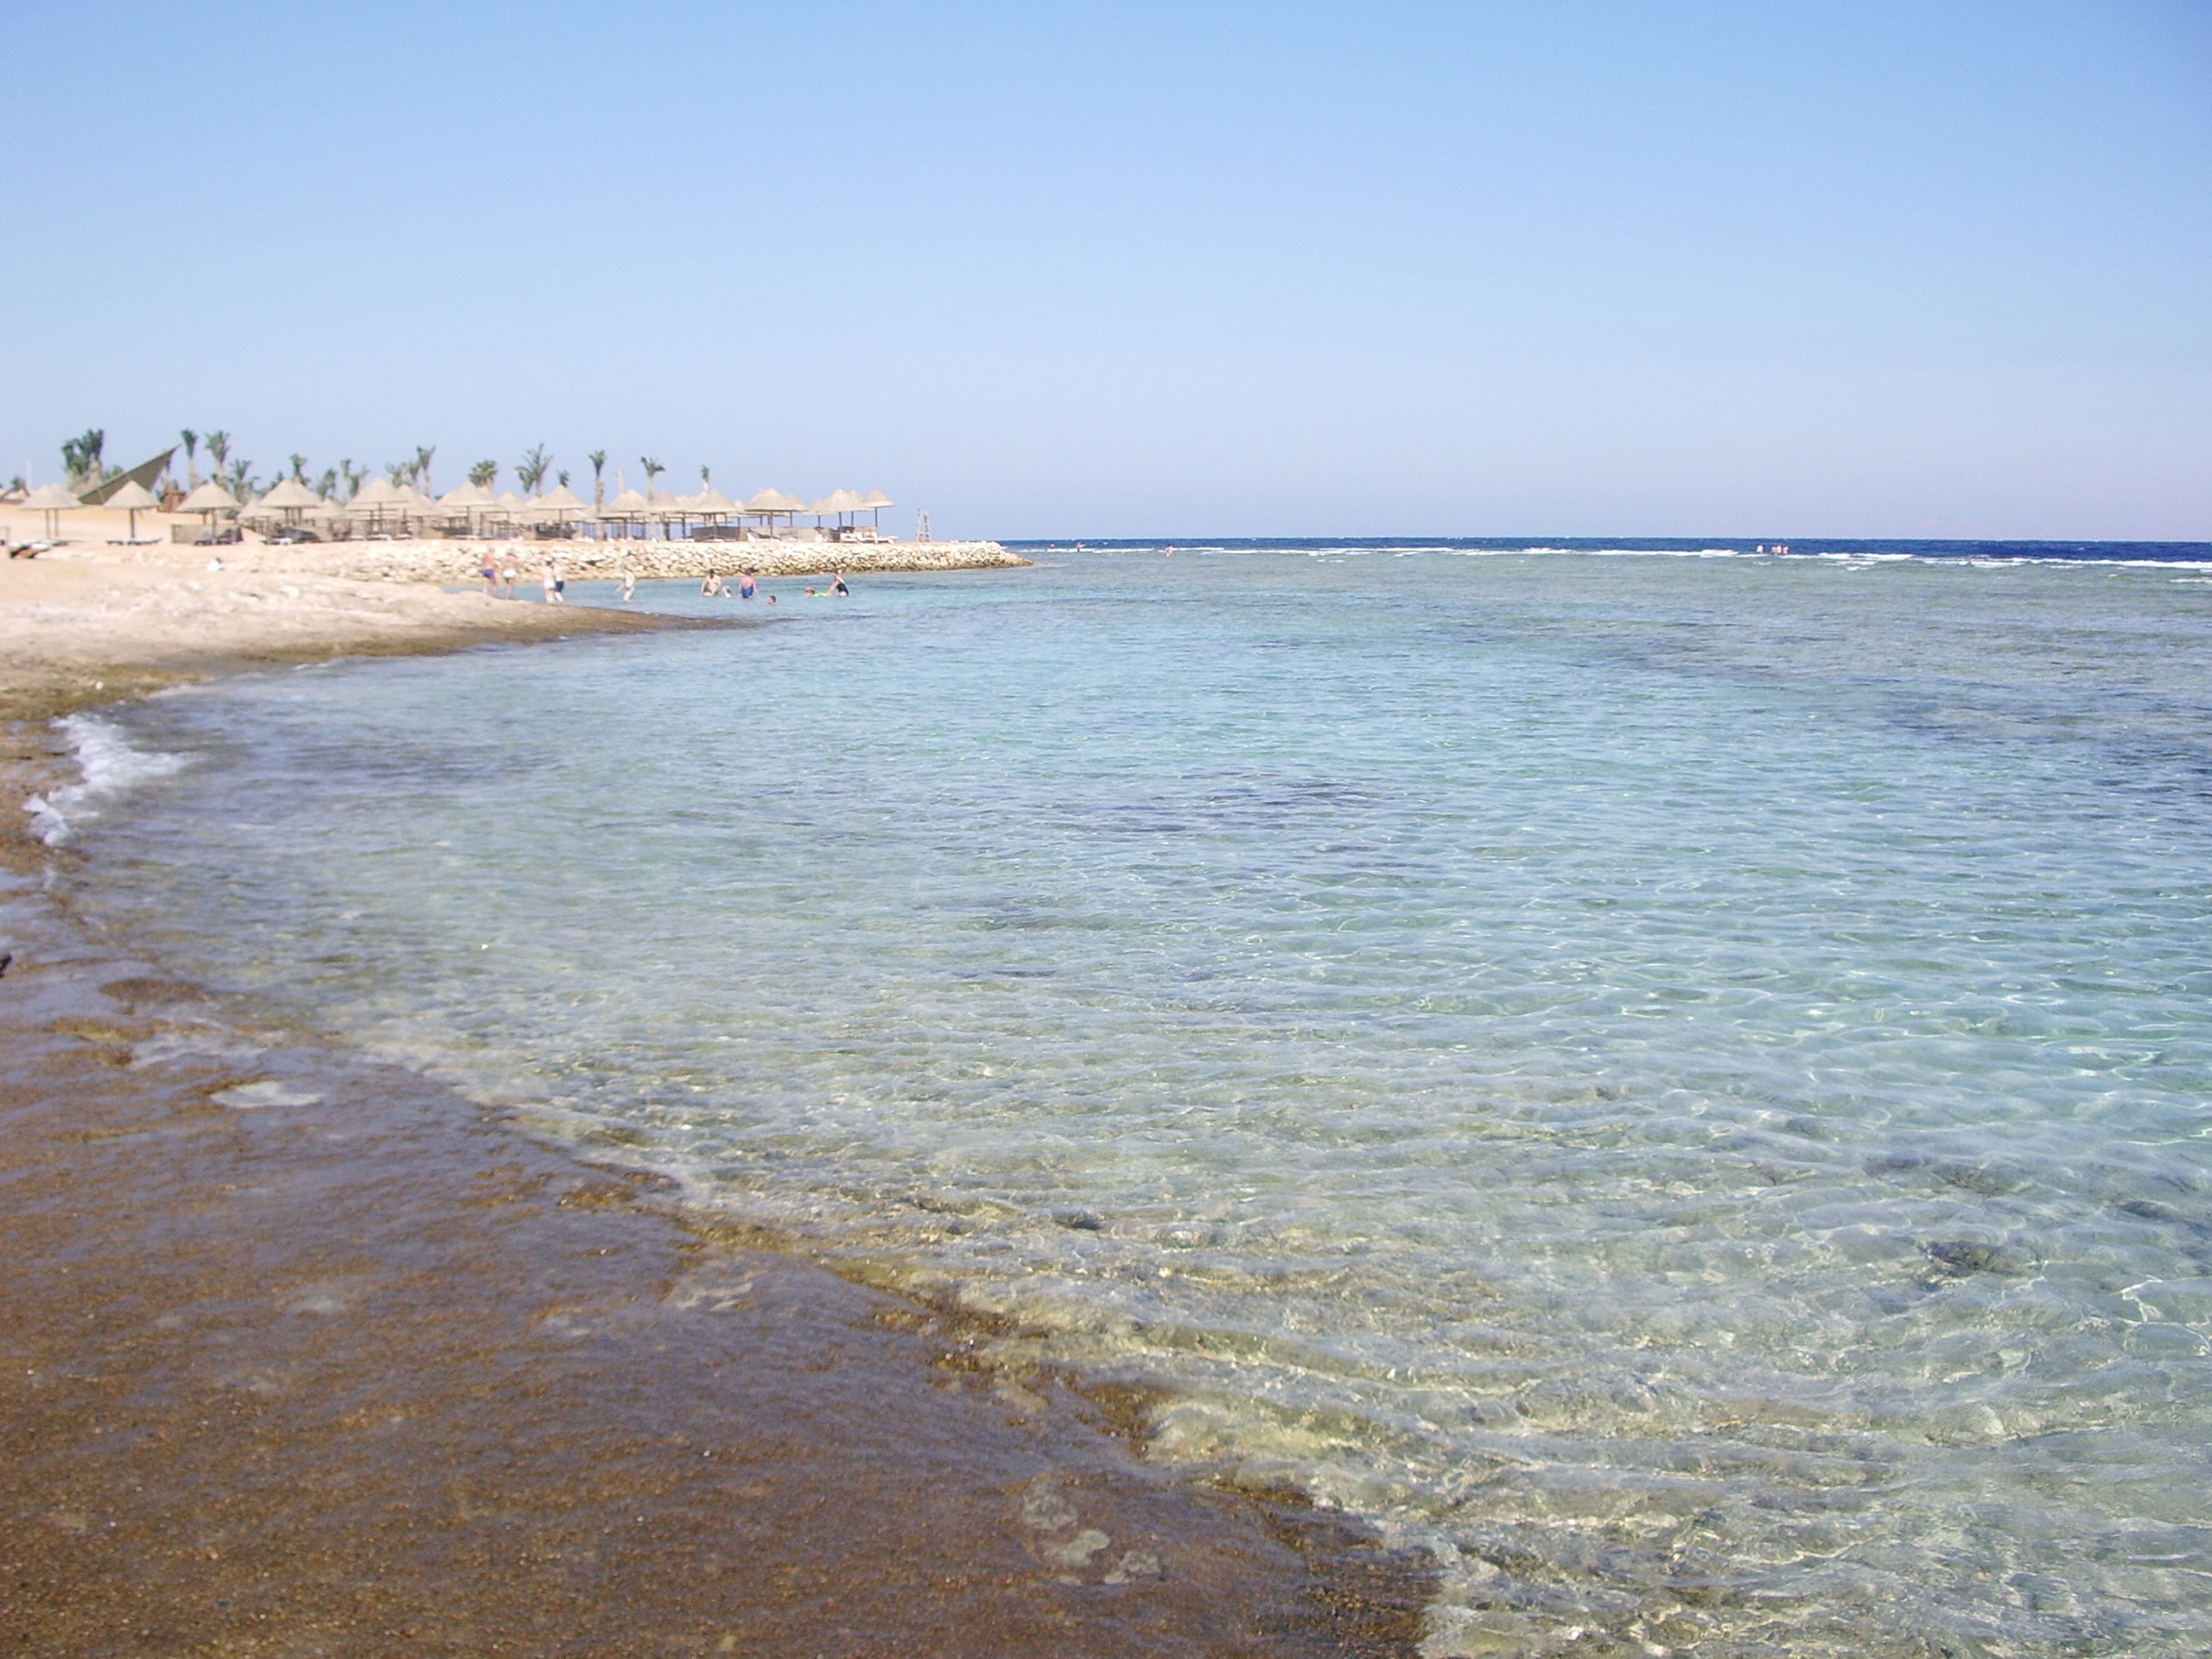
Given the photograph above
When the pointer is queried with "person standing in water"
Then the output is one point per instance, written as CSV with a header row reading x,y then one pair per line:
x,y
490,572
629,585
549,579
746,587
511,573
837,585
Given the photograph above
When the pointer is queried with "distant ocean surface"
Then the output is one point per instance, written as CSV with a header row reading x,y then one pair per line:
x,y
1679,1081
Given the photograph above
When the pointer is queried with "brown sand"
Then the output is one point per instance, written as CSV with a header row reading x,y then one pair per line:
x,y
304,1356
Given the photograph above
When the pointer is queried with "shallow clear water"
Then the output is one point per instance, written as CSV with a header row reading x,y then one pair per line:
x,y
1682,1084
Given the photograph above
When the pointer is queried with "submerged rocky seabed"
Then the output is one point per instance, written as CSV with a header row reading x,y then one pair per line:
x,y
1678,1084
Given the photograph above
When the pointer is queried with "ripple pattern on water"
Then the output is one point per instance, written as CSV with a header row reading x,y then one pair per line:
x,y
1681,1085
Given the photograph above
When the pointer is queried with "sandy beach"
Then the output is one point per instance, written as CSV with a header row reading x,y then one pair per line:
x,y
313,1358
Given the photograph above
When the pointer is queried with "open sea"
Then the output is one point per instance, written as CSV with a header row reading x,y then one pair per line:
x,y
1679,1081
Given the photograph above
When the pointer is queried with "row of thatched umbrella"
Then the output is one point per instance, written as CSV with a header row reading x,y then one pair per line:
x,y
52,499
380,499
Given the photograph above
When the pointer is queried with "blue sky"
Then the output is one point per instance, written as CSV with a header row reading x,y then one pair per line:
x,y
1757,269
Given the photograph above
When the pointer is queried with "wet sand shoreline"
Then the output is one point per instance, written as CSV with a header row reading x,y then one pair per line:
x,y
313,1357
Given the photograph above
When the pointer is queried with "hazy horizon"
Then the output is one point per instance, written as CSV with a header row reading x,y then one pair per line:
x,y
1822,271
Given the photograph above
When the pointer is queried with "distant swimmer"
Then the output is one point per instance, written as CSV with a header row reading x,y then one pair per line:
x,y
1170,549
745,586
837,585
629,585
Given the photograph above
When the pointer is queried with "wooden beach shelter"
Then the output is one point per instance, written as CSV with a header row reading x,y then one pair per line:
x,y
287,501
134,499
559,506
874,503
51,499
207,500
669,511
415,507
711,506
626,509
836,504
771,503
373,502
464,506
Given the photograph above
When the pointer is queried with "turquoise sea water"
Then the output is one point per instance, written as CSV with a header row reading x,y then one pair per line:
x,y
1681,1085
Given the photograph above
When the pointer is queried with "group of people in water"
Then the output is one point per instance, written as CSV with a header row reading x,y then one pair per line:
x,y
714,586
501,577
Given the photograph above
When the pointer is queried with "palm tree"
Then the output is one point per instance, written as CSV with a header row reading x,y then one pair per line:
x,y
564,480
299,469
244,484
399,471
423,454
597,458
531,471
81,457
219,448
483,472
191,456
653,470
326,486
354,477
706,476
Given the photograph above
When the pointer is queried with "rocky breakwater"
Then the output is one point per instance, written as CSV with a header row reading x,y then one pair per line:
x,y
459,561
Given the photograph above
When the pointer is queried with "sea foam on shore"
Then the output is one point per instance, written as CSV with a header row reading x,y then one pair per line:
x,y
107,764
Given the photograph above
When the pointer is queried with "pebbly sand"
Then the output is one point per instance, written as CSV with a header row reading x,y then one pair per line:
x,y
306,1356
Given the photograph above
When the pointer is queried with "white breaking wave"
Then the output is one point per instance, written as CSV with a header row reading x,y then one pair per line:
x,y
107,764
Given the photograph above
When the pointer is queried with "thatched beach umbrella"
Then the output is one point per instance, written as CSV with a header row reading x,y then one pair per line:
x,y
207,500
413,505
771,504
289,499
374,501
711,506
836,504
559,506
134,499
50,499
626,509
874,503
